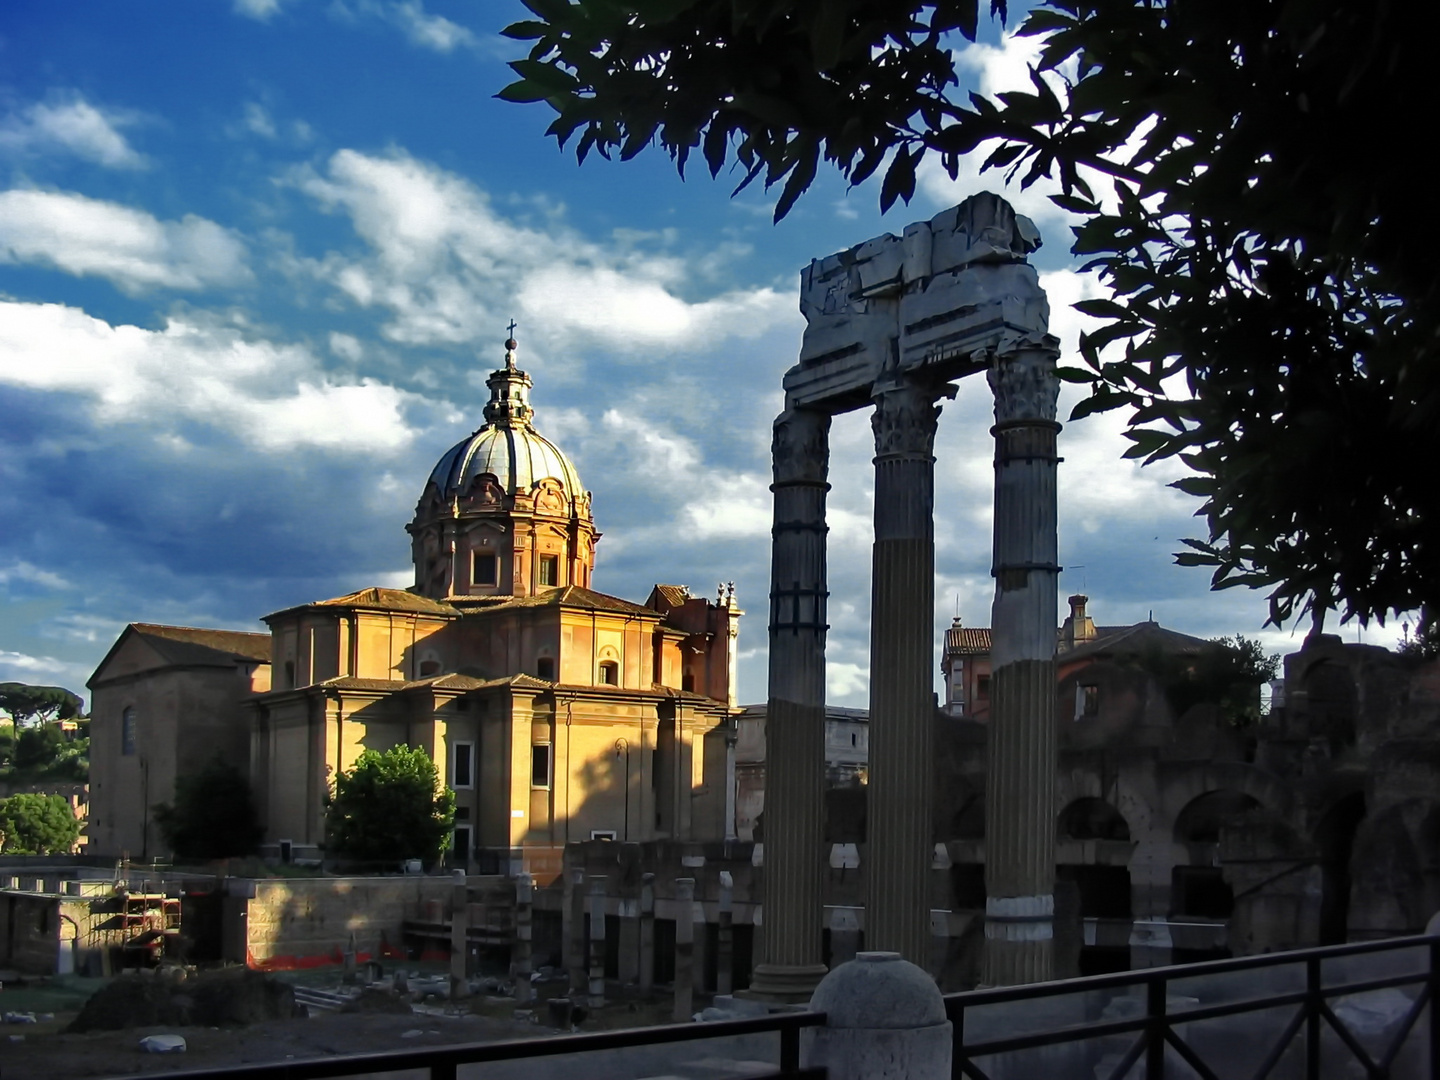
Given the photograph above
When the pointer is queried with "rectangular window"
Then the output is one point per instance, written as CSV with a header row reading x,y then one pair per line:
x,y
603,834
549,569
127,732
462,765
540,765
545,668
982,687
486,569
1087,701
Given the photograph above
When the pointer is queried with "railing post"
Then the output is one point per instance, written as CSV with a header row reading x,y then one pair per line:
x,y
1434,982
1312,1018
790,1048
1155,1029
647,933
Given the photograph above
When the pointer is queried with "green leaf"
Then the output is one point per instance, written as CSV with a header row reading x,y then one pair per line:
x,y
524,91
526,30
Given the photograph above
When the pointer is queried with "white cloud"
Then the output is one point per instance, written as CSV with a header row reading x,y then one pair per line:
x,y
257,9
346,346
273,397
258,122
22,571
430,31
446,265
40,670
74,126
132,249
421,28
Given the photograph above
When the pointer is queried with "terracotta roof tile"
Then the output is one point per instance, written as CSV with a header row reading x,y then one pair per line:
x,y
390,600
193,645
575,596
967,639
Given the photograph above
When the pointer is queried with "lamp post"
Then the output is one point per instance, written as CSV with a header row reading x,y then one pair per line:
x,y
622,746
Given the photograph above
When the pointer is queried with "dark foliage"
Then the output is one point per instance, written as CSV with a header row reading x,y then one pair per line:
x,y
212,816
1274,314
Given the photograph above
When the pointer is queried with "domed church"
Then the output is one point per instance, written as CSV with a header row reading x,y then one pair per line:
x,y
555,712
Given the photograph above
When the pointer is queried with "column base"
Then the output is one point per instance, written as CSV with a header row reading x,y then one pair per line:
x,y
783,984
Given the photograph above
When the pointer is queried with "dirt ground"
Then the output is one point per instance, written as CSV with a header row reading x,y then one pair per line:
x,y
47,1052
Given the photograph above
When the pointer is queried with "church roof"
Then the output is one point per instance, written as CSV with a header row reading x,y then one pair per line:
x,y
390,600
194,645
671,595
966,640
1131,640
191,646
576,596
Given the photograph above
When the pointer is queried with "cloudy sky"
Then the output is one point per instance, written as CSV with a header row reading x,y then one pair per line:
x,y
257,257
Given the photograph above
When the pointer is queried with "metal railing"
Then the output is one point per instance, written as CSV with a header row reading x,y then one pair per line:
x,y
1157,1029
442,1062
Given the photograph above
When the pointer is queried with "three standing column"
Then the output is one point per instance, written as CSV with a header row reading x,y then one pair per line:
x,y
1020,799
791,958
902,633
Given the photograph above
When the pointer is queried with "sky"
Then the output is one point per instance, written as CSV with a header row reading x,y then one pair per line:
x,y
258,256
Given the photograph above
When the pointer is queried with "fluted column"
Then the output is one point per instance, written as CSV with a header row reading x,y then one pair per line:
x,y
902,638
791,963
1020,797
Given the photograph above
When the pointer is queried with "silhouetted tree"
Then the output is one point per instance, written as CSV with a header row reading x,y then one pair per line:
x,y
212,817
1271,276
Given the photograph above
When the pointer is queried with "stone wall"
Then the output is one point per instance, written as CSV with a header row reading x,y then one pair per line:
x,y
307,922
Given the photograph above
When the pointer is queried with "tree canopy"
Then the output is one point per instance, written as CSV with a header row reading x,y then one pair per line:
x,y
390,807
32,824
212,816
1238,171
39,703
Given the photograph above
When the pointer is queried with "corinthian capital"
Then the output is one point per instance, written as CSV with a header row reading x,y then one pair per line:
x,y
800,449
1025,385
904,419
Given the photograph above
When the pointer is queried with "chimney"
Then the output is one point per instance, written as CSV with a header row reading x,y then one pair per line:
x,y
1079,627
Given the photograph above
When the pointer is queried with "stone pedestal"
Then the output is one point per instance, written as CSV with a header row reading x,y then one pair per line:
x,y
884,1020
790,964
1020,797
902,702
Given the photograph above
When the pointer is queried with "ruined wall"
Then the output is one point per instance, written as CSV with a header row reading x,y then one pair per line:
x,y
304,922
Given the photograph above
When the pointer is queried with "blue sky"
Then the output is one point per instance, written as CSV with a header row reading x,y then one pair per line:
x,y
257,257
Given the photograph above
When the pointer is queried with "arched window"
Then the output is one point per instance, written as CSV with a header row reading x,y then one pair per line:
x,y
610,673
127,730
545,668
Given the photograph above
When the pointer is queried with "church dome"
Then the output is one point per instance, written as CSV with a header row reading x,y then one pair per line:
x,y
507,447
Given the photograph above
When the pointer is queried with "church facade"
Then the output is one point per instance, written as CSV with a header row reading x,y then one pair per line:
x,y
555,712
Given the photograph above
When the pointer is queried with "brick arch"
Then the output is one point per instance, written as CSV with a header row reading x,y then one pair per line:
x,y
1091,808
1183,784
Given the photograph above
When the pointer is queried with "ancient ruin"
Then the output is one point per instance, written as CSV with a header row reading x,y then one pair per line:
x,y
891,323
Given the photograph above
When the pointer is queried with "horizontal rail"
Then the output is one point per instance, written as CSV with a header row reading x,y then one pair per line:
x,y
1175,972
443,1060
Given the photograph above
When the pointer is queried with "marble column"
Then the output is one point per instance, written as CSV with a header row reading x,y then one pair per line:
x,y
791,964
1020,796
902,647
